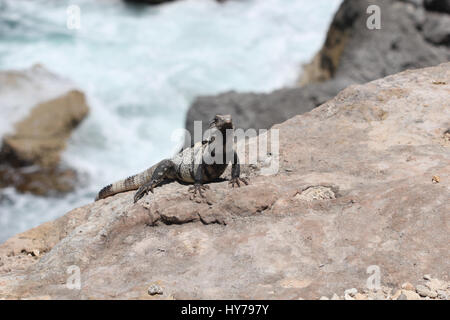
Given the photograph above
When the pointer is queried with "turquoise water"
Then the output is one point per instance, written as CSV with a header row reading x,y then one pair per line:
x,y
141,67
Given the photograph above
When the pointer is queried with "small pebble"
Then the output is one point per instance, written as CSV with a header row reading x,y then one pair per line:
x,y
442,295
435,284
410,295
397,295
360,296
350,293
154,290
408,286
425,292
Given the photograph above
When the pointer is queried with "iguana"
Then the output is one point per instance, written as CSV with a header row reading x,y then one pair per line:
x,y
187,166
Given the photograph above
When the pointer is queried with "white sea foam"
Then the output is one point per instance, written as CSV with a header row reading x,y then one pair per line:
x,y
140,68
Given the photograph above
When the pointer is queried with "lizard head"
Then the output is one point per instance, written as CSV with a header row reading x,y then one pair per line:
x,y
222,122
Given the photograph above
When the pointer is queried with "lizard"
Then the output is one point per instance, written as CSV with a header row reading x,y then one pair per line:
x,y
187,166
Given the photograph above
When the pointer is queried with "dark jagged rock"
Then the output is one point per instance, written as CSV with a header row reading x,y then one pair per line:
x,y
438,5
436,29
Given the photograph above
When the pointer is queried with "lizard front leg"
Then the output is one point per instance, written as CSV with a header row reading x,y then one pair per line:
x,y
198,188
158,176
236,172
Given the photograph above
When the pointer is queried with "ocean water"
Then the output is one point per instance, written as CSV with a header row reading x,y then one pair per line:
x,y
140,68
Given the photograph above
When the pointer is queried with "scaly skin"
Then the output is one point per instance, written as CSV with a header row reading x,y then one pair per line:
x,y
183,168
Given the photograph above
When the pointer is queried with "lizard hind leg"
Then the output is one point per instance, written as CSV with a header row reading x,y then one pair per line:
x,y
160,174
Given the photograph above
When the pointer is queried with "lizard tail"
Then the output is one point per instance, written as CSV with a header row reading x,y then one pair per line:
x,y
130,183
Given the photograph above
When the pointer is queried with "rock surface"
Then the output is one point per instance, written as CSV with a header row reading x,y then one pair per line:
x,y
354,189
410,37
44,109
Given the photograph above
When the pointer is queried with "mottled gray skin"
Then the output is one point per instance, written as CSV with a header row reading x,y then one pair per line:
x,y
188,166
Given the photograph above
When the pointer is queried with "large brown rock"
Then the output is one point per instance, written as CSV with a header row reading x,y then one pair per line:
x,y
40,131
363,180
41,136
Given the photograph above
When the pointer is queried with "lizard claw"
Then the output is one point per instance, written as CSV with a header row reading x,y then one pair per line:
x,y
143,190
235,181
198,189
